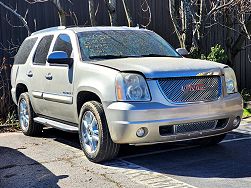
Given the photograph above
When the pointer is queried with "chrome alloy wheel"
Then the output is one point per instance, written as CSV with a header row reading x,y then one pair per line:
x,y
23,114
90,132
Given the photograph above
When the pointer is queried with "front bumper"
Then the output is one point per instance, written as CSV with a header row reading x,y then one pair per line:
x,y
124,119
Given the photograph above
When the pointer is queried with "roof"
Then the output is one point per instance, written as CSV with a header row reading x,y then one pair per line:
x,y
102,28
83,29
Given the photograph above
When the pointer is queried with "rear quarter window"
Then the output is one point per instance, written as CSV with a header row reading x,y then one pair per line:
x,y
24,51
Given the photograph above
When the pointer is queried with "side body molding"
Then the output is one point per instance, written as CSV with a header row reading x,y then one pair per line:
x,y
37,94
66,99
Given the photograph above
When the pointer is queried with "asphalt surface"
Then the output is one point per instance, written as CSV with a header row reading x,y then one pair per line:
x,y
56,160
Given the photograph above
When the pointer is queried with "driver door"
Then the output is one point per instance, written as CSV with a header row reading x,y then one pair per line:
x,y
58,93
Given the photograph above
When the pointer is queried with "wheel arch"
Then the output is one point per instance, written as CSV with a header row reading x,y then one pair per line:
x,y
20,88
84,96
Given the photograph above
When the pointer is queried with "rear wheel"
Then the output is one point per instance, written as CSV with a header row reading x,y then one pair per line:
x,y
94,135
26,115
214,140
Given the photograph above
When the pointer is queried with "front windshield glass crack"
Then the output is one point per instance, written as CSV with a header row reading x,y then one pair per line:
x,y
110,44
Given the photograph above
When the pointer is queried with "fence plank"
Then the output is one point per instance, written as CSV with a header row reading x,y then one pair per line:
x,y
46,16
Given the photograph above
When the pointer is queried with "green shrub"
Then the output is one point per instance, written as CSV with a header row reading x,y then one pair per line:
x,y
216,54
246,113
11,118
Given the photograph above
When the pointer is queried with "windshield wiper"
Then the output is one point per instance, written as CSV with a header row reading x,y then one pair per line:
x,y
155,55
127,56
108,57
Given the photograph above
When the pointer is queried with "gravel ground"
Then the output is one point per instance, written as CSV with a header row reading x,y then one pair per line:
x,y
56,160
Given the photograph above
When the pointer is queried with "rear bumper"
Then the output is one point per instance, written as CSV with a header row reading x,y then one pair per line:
x,y
124,119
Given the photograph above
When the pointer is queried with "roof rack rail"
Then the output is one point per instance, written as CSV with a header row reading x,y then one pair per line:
x,y
49,29
69,26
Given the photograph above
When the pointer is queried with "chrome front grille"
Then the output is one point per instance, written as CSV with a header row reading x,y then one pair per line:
x,y
196,126
191,89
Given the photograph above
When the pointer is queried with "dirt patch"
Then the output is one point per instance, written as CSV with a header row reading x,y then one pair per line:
x,y
9,128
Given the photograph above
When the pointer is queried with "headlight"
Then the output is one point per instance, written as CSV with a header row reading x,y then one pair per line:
x,y
230,79
131,87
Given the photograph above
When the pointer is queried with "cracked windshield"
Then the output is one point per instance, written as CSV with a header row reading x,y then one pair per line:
x,y
120,44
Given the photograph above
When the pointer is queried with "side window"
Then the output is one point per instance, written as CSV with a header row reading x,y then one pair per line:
x,y
42,50
63,43
24,51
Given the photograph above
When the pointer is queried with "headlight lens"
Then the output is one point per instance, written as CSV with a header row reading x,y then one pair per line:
x,y
131,87
230,79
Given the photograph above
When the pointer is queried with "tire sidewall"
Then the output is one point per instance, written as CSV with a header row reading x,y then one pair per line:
x,y
25,96
88,107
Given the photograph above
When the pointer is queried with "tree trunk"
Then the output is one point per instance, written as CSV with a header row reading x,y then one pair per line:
x,y
234,48
92,13
200,30
111,6
174,7
128,13
6,104
21,18
61,12
229,38
237,46
62,17
181,15
187,25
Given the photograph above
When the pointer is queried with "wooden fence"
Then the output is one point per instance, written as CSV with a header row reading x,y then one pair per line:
x,y
43,15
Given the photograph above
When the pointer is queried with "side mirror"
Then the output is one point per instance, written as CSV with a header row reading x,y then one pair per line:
x,y
59,57
182,51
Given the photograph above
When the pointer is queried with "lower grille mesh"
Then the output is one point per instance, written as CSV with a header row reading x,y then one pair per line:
x,y
196,126
184,128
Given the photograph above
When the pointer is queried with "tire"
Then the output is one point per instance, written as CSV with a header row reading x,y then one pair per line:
x,y
26,115
210,141
94,135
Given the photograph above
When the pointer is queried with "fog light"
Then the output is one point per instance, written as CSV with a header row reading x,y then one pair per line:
x,y
141,132
236,121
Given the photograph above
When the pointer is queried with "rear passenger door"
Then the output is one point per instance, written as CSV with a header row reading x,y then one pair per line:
x,y
22,63
36,73
59,84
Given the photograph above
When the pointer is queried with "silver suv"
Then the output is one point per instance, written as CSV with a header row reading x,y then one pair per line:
x,y
120,85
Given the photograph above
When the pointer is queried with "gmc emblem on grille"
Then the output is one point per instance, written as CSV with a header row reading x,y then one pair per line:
x,y
193,87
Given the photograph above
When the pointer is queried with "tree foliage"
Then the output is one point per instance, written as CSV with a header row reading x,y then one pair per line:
x,y
217,54
193,19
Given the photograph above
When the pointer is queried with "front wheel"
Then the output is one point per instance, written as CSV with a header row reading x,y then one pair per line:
x,y
94,136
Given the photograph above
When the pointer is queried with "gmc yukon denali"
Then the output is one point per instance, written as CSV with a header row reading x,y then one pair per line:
x,y
120,85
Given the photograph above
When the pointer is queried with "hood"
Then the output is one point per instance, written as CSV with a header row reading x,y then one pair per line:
x,y
160,67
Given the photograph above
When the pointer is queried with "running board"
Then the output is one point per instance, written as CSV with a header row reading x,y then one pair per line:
x,y
55,124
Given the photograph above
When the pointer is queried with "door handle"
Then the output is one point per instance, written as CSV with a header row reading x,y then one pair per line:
x,y
48,76
29,74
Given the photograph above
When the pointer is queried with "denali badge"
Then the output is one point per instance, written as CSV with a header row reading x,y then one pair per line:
x,y
193,87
